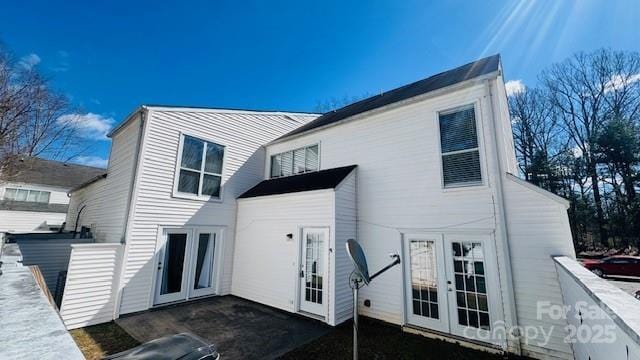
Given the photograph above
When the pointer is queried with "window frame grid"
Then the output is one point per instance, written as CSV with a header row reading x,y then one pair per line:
x,y
26,199
203,197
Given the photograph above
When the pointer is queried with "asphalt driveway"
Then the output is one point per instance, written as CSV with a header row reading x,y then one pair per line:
x,y
241,329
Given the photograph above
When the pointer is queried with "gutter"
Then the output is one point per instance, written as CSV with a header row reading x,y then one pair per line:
x,y
503,222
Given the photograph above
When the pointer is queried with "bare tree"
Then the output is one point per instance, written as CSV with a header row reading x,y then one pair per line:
x,y
338,102
30,111
538,138
586,90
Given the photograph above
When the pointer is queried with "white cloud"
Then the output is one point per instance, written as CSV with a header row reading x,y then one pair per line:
x,y
94,161
617,82
29,61
63,61
514,87
89,126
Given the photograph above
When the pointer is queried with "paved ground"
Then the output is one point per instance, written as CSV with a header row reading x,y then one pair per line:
x,y
626,283
240,329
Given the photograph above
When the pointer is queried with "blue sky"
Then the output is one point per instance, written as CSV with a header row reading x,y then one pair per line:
x,y
112,56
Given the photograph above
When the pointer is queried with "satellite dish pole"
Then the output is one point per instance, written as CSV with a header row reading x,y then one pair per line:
x,y
360,277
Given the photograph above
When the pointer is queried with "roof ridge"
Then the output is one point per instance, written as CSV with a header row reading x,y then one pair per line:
x,y
474,69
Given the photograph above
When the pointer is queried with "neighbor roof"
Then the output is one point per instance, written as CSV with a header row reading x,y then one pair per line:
x,y
465,72
324,179
34,170
33,206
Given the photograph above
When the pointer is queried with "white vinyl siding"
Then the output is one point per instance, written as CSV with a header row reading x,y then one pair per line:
x,y
397,185
262,247
243,134
298,161
91,286
538,229
267,266
346,228
459,147
106,200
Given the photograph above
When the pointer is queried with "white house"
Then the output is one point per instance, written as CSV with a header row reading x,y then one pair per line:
x,y
34,193
260,205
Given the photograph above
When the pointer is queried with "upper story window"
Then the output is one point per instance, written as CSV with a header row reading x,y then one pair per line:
x,y
200,172
296,161
459,147
27,195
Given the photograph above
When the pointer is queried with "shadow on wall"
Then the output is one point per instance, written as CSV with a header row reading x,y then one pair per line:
x,y
138,291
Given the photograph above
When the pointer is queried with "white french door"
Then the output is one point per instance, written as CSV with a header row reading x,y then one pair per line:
x,y
450,284
186,263
473,292
313,270
426,293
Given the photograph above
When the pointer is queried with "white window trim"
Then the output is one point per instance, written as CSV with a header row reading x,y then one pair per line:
x,y
28,192
178,167
269,160
479,131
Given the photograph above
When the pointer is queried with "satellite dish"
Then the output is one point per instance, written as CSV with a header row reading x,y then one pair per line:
x,y
359,276
359,260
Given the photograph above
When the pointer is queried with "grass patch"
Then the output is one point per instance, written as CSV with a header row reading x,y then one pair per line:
x,y
101,340
378,340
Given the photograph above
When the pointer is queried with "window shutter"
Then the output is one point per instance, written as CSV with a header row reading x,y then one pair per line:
x,y
461,168
299,161
287,163
312,158
458,131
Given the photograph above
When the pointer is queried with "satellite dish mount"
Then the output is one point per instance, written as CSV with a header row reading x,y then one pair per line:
x,y
360,277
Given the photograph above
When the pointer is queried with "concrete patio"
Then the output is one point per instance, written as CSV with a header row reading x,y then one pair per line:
x,y
240,329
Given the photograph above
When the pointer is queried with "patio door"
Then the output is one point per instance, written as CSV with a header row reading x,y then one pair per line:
x,y
426,288
450,283
171,266
474,288
202,280
186,264
313,270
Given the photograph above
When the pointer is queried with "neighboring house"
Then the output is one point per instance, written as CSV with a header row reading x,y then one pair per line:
x,y
34,194
260,205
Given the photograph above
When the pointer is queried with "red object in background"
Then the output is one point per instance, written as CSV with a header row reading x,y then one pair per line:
x,y
614,265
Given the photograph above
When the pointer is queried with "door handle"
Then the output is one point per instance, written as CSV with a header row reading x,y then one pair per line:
x,y
159,266
301,273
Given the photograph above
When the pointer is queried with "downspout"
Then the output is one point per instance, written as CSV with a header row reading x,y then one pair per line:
x,y
503,220
75,228
129,212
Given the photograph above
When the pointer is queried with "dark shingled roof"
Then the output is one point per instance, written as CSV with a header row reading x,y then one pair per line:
x,y
324,179
33,206
465,72
34,170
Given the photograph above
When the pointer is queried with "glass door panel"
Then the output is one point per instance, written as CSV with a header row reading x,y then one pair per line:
x,y
425,282
203,264
171,267
313,269
473,306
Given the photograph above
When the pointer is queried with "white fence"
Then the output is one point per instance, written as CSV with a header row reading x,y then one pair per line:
x,y
603,321
90,291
